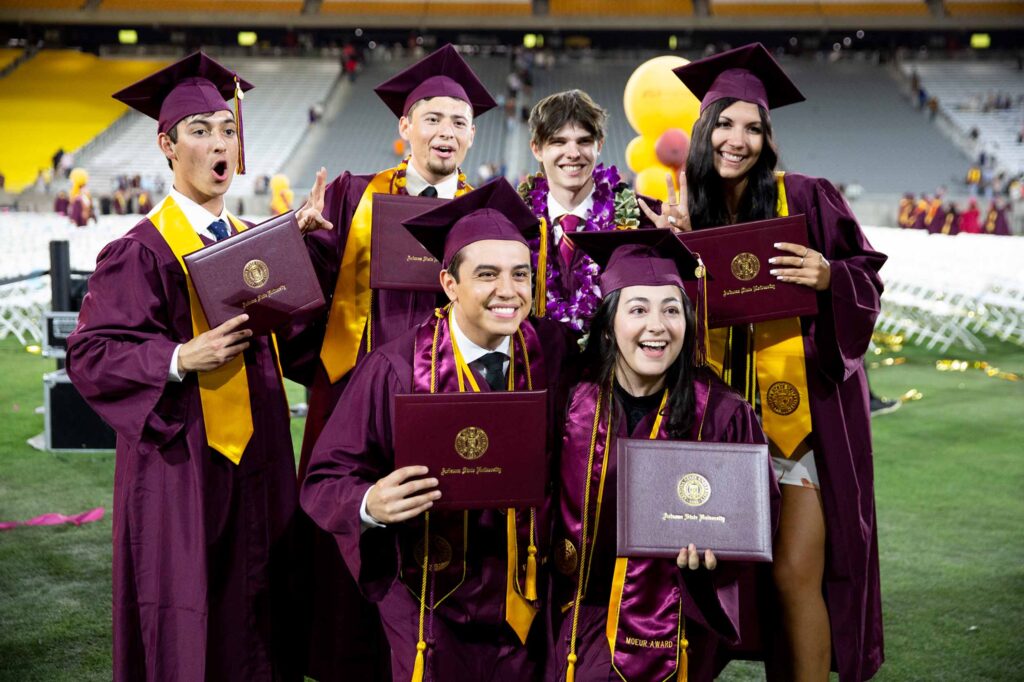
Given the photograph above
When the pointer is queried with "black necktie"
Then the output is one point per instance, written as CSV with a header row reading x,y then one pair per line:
x,y
491,366
429,191
219,229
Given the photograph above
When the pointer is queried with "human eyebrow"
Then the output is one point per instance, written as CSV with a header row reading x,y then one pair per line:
x,y
638,299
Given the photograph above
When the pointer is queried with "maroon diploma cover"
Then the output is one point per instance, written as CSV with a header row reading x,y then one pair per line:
x,y
264,271
740,287
397,260
714,495
487,450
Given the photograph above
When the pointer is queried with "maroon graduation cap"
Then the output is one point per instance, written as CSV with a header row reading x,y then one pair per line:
x,y
747,73
492,211
649,257
442,73
196,84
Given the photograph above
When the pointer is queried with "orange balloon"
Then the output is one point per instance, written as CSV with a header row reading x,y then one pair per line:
x,y
651,182
656,100
640,153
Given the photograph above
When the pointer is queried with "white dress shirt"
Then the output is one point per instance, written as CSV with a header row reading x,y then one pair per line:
x,y
556,211
415,183
199,218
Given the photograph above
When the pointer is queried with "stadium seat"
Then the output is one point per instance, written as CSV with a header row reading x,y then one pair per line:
x,y
428,7
221,6
667,8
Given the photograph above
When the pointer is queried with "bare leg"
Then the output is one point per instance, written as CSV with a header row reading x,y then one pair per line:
x,y
799,566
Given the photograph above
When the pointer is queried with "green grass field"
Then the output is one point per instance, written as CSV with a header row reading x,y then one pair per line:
x,y
949,477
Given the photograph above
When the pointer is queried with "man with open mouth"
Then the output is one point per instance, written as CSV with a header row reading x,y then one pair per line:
x,y
204,488
436,101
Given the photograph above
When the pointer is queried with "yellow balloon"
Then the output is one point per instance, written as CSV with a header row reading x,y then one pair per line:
x,y
651,182
640,153
656,100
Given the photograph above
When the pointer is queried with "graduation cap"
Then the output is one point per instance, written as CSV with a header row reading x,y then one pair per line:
x,y
747,73
442,73
649,257
492,211
196,84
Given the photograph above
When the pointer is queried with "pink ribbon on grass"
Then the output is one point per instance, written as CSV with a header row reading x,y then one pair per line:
x,y
55,519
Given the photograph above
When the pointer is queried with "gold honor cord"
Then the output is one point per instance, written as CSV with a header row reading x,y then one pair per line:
x,y
223,392
540,296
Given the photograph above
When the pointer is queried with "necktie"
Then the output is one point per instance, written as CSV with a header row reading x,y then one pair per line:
x,y
568,223
219,229
429,191
491,366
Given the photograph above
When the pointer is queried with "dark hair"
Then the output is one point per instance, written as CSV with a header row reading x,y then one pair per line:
x,y
706,192
453,265
602,352
552,113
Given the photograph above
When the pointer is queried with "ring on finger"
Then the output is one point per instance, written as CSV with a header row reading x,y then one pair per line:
x,y
671,220
802,258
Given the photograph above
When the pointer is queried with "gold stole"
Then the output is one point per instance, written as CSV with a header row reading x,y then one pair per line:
x,y
223,392
780,368
351,306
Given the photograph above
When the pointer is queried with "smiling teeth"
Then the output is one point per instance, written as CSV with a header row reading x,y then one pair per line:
x,y
504,311
732,157
653,345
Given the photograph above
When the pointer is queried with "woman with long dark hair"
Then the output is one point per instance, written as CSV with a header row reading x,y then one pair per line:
x,y
638,619
805,374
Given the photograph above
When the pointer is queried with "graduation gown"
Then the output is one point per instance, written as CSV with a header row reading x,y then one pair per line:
x,y
202,571
835,341
354,451
717,606
345,638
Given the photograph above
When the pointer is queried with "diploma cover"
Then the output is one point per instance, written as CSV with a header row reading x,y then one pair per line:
x,y
397,259
740,287
673,493
264,271
487,450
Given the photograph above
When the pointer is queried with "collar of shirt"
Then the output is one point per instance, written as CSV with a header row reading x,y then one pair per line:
x,y
414,183
556,211
197,216
471,352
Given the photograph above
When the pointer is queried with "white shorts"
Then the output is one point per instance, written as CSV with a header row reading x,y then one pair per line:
x,y
802,471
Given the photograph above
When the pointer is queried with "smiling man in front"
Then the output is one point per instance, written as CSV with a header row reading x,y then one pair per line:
x,y
204,485
482,624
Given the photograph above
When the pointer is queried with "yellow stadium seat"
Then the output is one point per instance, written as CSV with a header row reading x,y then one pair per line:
x,y
429,7
647,8
59,99
8,55
244,6
960,8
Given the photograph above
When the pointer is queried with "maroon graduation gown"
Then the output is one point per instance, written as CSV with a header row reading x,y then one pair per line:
x,y
354,451
202,566
719,606
835,341
345,637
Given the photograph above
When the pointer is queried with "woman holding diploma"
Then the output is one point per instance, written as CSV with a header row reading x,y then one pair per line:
x,y
639,619
804,374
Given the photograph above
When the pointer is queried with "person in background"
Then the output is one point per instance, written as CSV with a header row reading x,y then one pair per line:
x,y
281,195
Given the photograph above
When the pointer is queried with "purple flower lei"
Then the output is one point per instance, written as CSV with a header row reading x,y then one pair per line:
x,y
574,308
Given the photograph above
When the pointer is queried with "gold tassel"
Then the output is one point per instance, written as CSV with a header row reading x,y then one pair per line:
x,y
417,668
540,298
531,573
683,661
239,96
570,671
531,560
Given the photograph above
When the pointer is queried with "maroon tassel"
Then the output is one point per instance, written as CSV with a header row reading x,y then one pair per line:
x,y
700,350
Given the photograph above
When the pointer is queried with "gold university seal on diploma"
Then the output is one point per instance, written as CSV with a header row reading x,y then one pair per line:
x,y
440,553
745,266
694,490
783,398
255,273
471,443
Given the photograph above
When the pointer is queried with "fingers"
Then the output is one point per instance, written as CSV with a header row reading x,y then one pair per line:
x,y
683,191
670,182
231,325
798,249
402,495
647,210
690,558
710,560
319,187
